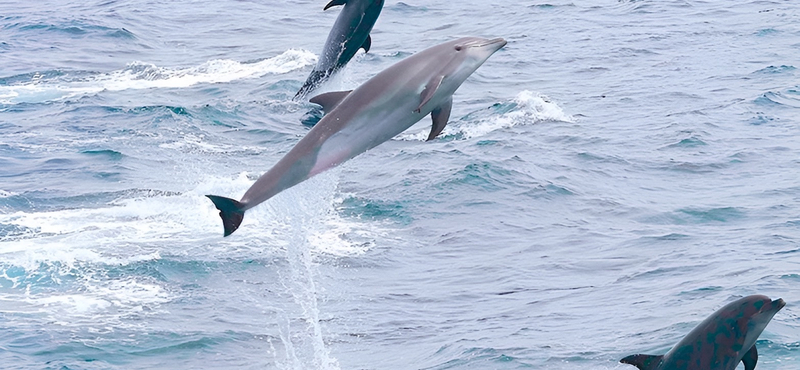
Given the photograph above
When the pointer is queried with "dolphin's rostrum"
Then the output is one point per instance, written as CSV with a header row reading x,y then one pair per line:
x,y
350,32
720,341
384,106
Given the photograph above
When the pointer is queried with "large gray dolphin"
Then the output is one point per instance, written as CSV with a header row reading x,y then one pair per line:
x,y
350,32
720,341
379,109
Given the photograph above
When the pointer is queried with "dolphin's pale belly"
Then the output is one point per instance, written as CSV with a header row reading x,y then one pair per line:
x,y
379,120
369,129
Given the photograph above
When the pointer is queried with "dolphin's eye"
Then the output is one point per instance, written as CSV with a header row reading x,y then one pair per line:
x,y
458,47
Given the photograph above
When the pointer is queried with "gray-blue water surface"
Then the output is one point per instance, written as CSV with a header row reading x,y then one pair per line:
x,y
616,173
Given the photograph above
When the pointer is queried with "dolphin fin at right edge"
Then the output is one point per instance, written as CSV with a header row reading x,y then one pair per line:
x,y
334,3
643,362
231,212
440,115
750,358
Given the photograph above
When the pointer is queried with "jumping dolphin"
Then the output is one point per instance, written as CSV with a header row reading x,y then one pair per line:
x,y
350,32
720,341
379,109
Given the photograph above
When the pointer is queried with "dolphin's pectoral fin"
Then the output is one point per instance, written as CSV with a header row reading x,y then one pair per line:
x,y
230,211
429,90
643,362
367,43
329,100
750,358
440,115
334,3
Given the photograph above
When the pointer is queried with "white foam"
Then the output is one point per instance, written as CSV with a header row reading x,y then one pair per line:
x,y
100,301
139,75
191,143
99,296
131,229
78,245
527,108
332,240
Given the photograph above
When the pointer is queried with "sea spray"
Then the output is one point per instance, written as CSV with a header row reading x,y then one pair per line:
x,y
296,216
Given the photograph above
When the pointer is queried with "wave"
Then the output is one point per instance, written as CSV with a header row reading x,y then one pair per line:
x,y
779,99
526,108
58,85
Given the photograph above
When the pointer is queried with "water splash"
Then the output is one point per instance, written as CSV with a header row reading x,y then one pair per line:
x,y
526,108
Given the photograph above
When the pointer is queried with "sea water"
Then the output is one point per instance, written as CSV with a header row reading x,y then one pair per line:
x,y
611,177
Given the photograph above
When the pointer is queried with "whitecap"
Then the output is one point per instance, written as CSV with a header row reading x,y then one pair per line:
x,y
140,75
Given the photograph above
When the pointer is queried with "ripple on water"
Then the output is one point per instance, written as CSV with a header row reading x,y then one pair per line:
x,y
767,99
706,215
698,215
484,176
109,154
765,32
550,6
691,142
405,8
32,77
372,209
76,29
776,69
48,200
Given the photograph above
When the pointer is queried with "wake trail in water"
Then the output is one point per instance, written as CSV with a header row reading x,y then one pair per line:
x,y
38,87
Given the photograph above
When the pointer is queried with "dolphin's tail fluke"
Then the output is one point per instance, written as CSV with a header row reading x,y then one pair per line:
x,y
231,212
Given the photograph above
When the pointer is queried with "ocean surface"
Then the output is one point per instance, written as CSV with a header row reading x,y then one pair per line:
x,y
615,174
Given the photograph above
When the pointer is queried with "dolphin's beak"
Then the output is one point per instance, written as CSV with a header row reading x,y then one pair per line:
x,y
778,304
499,42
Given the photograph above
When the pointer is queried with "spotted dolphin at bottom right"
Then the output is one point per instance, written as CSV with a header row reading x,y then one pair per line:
x,y
720,341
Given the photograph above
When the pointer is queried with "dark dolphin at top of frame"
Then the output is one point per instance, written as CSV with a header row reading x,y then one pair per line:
x,y
382,107
350,32
720,341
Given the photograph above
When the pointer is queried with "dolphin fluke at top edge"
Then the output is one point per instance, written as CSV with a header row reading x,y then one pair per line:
x,y
230,211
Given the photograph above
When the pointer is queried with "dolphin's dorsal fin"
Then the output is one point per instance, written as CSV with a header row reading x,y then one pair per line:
x,y
643,362
330,100
440,115
429,90
367,43
750,358
334,3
